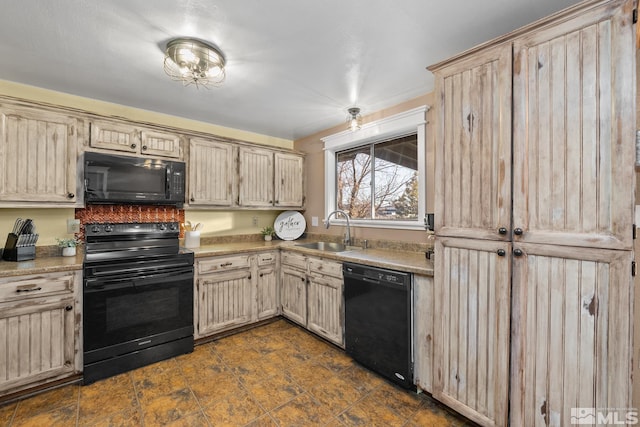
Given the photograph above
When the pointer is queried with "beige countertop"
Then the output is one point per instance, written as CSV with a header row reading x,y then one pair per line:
x,y
412,262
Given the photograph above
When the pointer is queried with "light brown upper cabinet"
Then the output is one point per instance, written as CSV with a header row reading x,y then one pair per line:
x,y
289,180
38,152
134,139
211,173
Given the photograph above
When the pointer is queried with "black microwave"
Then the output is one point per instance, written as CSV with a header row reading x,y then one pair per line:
x,y
110,179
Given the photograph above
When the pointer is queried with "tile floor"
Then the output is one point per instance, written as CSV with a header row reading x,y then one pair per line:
x,y
274,375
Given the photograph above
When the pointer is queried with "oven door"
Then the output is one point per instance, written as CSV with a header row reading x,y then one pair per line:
x,y
130,311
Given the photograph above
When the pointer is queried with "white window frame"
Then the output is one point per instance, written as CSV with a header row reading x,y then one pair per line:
x,y
398,125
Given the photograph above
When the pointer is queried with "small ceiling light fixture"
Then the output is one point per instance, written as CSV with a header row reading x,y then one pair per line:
x,y
354,119
195,62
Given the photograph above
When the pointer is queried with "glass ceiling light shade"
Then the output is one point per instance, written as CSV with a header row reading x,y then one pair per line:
x,y
354,119
194,62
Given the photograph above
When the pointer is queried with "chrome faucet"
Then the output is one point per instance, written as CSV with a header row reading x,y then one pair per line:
x,y
347,240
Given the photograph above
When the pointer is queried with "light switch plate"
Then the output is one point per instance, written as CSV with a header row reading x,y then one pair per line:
x,y
73,226
314,221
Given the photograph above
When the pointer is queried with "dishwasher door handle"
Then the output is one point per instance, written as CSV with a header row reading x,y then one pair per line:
x,y
374,281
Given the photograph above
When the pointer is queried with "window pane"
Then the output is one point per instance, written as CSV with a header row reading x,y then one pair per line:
x,y
396,179
353,180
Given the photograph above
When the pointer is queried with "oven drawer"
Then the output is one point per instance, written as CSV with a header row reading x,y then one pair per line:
x,y
37,285
294,259
209,265
268,258
324,266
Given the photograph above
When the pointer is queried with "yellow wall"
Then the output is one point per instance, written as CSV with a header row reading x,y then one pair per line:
x,y
52,223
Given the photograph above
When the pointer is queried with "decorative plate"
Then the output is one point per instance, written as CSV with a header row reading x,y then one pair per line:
x,y
290,225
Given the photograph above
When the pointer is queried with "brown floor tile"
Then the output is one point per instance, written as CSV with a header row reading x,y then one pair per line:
x,y
309,375
197,419
336,394
361,378
126,418
237,356
235,410
254,372
304,410
157,380
208,391
48,401
62,417
263,421
275,392
369,412
107,396
6,413
335,360
169,408
405,403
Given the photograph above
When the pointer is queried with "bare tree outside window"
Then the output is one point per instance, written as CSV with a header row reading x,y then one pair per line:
x,y
379,181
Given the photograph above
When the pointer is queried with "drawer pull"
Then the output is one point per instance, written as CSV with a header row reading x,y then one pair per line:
x,y
68,308
226,264
29,289
267,259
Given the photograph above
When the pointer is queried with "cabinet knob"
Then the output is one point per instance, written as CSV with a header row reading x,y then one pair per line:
x,y
277,202
68,308
517,231
302,278
502,230
501,252
193,199
260,274
70,195
144,147
133,146
517,252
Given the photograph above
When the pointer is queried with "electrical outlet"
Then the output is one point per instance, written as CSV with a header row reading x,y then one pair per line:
x,y
314,221
73,226
254,221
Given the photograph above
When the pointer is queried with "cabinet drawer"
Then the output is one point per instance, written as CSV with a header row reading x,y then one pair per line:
x,y
37,285
323,266
223,263
266,259
294,259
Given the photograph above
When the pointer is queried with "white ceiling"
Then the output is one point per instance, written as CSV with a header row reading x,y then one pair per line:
x,y
294,66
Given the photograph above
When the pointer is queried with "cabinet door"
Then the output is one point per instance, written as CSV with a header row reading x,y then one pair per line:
x,y
38,341
423,330
325,301
571,332
267,294
473,134
38,151
293,295
114,136
255,177
211,173
289,180
224,301
574,122
471,328
157,143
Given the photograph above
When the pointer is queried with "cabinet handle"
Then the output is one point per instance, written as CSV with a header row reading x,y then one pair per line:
x,y
193,199
144,148
502,230
517,231
268,259
517,252
70,195
29,289
68,308
501,252
226,264
249,277
133,146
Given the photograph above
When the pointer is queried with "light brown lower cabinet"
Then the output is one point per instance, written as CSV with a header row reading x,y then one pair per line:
x,y
293,294
40,329
267,289
423,332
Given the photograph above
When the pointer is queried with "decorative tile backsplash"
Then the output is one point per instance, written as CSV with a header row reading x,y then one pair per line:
x,y
127,213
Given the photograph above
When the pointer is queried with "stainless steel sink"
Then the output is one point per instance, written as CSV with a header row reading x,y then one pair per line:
x,y
327,246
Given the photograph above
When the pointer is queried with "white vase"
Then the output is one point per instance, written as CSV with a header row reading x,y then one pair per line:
x,y
69,251
267,238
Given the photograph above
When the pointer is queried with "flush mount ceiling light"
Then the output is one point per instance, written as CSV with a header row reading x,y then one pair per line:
x,y
195,62
354,119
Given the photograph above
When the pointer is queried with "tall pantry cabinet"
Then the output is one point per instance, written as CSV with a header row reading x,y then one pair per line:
x,y
534,220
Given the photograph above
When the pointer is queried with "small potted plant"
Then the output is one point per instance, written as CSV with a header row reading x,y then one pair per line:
x,y
267,232
68,246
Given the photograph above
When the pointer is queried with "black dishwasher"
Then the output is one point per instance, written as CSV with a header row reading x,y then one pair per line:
x,y
379,319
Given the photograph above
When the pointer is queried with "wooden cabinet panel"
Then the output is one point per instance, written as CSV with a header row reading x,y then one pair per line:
x,y
224,301
423,330
157,143
255,177
572,325
267,292
574,122
326,308
233,262
289,180
114,136
323,266
293,294
36,286
473,184
471,328
38,151
211,173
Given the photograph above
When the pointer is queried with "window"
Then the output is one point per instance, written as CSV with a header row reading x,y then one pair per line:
x,y
377,174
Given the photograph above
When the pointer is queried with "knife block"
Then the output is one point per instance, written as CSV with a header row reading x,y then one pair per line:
x,y
13,252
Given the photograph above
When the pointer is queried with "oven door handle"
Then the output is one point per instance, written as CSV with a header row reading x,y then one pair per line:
x,y
103,284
